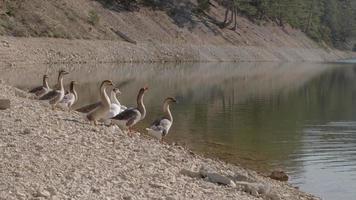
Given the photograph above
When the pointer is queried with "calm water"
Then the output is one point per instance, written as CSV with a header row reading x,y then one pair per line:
x,y
298,117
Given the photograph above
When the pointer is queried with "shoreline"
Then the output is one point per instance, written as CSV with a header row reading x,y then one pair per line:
x,y
24,51
58,155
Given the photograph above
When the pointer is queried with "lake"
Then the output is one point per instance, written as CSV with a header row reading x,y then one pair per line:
x,y
299,117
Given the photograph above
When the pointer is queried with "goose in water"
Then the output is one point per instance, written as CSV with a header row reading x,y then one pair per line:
x,y
55,96
160,127
42,90
101,111
71,97
129,117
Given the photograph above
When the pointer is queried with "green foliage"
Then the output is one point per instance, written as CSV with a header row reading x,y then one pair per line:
x,y
331,21
203,4
93,17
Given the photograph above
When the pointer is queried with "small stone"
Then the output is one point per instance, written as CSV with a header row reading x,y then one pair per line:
x,y
279,175
42,193
26,131
127,198
95,190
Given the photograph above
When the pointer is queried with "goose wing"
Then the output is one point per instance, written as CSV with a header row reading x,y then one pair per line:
x,y
161,125
127,114
36,89
69,97
89,108
50,95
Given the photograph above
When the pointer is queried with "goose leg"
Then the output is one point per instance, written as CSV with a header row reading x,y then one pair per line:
x,y
129,133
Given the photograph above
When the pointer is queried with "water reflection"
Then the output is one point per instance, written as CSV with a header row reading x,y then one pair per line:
x,y
297,116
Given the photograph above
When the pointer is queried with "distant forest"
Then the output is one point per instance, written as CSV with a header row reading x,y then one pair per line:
x,y
329,21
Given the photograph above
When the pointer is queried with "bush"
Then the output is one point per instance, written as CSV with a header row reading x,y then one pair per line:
x,y
93,17
203,4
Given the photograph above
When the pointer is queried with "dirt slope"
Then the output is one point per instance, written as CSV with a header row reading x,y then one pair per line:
x,y
96,32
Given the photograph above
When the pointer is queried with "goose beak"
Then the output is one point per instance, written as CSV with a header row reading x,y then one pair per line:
x,y
117,91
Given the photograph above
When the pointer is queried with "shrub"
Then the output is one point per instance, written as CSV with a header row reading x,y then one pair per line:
x,y
93,17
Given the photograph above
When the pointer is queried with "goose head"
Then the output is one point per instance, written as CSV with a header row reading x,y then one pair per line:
x,y
170,100
106,83
62,73
72,85
143,90
116,91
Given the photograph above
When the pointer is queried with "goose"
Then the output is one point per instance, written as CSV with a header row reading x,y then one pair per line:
x,y
42,90
129,117
160,127
115,107
71,97
113,100
55,96
101,111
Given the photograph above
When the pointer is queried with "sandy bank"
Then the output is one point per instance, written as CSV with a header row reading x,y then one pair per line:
x,y
57,155
22,51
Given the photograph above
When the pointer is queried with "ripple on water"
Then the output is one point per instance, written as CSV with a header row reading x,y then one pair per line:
x,y
328,157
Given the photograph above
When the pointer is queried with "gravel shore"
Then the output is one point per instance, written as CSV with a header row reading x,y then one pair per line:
x,y
16,51
49,154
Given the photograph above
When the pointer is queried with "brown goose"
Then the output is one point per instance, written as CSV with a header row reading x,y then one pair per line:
x,y
131,116
160,127
100,112
55,96
42,90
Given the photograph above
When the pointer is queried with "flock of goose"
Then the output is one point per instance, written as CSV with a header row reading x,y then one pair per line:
x,y
108,109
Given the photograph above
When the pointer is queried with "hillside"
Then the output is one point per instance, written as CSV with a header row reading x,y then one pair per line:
x,y
173,24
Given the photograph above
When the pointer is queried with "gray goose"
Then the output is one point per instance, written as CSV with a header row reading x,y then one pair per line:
x,y
42,90
160,127
55,96
129,117
104,107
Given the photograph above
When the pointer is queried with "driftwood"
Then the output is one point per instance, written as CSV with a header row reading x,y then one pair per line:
x,y
123,36
4,104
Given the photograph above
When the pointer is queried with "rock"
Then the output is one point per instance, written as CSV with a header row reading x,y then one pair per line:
x,y
4,104
42,193
279,175
213,177
190,173
217,178
255,189
26,131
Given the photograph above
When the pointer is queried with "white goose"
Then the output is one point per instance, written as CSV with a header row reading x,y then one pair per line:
x,y
55,96
114,100
160,127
